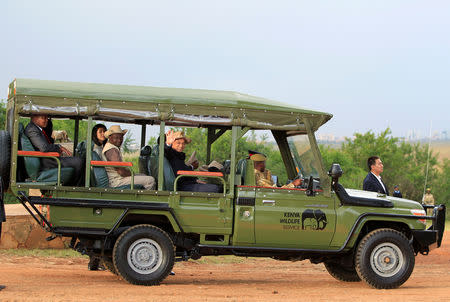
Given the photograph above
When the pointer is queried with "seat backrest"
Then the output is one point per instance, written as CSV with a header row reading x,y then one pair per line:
x,y
246,170
80,150
241,169
99,177
32,164
169,176
144,160
249,179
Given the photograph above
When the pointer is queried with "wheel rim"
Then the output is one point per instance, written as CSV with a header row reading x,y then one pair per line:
x,y
386,259
144,256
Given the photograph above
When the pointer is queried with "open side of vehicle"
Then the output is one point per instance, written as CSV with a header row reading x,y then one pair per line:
x,y
140,233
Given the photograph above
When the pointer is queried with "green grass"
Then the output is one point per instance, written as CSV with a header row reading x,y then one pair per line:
x,y
57,253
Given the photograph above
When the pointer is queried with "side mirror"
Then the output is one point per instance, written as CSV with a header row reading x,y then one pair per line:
x,y
335,172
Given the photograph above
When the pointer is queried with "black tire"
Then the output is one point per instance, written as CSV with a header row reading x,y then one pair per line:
x,y
5,158
342,273
144,255
384,259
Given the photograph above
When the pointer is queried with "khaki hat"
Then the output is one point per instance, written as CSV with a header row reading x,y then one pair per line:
x,y
258,157
215,164
115,129
180,135
203,168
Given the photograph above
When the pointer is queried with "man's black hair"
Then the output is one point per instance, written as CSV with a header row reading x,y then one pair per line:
x,y
371,161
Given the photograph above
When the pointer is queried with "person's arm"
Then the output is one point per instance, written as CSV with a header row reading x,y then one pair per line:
x,y
114,155
39,141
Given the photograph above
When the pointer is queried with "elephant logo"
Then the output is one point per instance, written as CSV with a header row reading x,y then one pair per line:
x,y
314,220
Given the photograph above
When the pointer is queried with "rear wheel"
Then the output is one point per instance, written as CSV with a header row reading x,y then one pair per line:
x,y
5,158
144,255
384,259
342,273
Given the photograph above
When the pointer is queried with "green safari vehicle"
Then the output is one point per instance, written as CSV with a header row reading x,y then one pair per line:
x,y
139,234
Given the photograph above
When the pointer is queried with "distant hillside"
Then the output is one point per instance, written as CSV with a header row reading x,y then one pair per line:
x,y
441,147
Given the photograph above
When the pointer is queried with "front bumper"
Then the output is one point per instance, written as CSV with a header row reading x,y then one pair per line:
x,y
427,240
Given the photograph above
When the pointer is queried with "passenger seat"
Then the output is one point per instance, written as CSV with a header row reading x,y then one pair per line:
x,y
33,165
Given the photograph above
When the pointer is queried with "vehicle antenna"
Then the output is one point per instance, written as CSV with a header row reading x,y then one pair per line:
x,y
428,160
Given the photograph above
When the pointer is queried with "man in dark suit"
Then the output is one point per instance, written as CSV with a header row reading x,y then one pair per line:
x,y
373,181
41,141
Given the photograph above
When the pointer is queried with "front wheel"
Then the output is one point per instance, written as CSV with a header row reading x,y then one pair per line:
x,y
384,259
143,255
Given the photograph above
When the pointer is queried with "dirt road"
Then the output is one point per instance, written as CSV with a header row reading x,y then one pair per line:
x,y
67,279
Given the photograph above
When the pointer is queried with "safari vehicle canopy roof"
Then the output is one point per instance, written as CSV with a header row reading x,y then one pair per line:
x,y
177,105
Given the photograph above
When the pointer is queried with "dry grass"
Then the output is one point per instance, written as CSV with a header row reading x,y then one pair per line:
x,y
443,148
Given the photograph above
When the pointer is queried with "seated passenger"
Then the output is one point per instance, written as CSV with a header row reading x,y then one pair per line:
x,y
263,176
98,138
41,141
111,152
173,151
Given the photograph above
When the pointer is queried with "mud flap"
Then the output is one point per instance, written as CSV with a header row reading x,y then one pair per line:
x,y
2,207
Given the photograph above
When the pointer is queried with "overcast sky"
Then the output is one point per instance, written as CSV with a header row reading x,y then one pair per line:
x,y
372,64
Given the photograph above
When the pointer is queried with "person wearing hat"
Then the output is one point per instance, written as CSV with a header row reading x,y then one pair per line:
x,y
428,199
263,176
176,142
111,152
397,192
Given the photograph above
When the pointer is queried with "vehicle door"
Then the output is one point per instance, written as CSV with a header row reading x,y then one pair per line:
x,y
296,217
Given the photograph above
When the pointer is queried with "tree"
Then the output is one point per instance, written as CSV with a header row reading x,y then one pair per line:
x,y
127,142
404,164
2,114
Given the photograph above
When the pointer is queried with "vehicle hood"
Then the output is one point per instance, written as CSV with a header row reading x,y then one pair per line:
x,y
398,202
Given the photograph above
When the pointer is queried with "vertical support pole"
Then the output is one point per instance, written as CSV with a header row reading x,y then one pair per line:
x,y
211,132
235,132
75,135
162,142
14,144
325,180
88,152
143,135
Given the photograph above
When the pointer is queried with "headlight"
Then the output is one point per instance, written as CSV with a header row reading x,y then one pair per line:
x,y
417,212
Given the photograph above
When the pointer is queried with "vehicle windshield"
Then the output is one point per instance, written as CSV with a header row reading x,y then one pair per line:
x,y
302,154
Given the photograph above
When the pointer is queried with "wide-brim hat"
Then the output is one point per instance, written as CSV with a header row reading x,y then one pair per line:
x,y
115,129
203,168
180,135
215,164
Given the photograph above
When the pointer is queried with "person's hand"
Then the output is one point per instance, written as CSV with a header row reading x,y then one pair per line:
x,y
64,151
195,164
170,137
201,182
297,182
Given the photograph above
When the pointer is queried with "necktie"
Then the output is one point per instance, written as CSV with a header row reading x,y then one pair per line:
x,y
46,136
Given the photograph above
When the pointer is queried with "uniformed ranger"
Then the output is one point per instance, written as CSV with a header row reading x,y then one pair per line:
x,y
428,199
263,176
